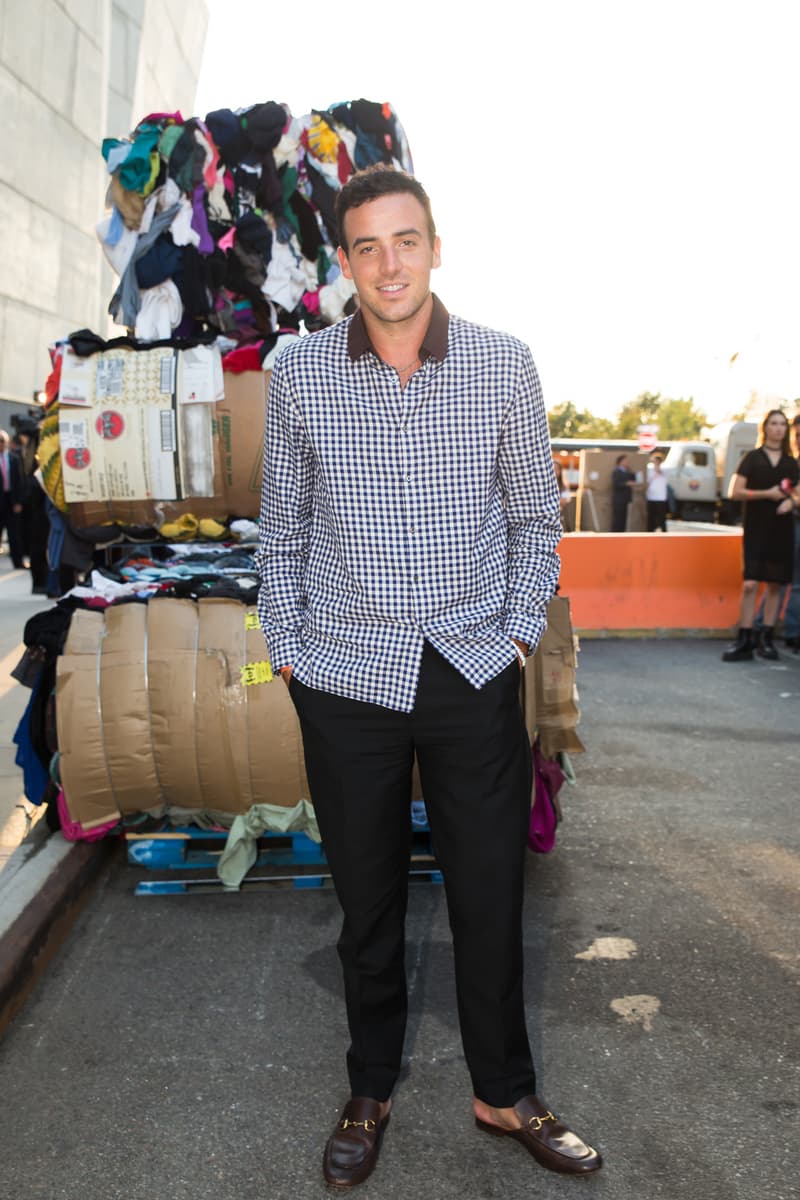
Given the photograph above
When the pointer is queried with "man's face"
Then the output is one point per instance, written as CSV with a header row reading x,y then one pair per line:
x,y
390,256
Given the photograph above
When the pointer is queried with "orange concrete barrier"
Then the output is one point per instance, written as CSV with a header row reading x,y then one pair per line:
x,y
652,583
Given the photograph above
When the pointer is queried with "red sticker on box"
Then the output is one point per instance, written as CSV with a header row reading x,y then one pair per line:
x,y
110,424
77,457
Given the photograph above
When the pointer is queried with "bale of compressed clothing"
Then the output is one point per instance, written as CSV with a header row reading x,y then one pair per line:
x,y
227,223
222,233
170,707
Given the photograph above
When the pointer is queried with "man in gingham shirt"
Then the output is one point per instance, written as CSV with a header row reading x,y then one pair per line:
x,y
409,523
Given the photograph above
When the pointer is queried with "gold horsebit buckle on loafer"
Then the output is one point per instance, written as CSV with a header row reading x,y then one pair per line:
x,y
368,1126
535,1123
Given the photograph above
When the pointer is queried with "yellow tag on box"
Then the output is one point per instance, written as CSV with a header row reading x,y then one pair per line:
x,y
257,672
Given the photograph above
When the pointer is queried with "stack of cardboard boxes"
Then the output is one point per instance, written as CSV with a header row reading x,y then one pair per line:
x,y
148,436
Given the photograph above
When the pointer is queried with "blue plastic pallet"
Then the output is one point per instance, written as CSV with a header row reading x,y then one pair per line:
x,y
184,887
190,849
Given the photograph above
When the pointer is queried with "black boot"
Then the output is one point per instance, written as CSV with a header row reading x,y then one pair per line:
x,y
741,649
766,647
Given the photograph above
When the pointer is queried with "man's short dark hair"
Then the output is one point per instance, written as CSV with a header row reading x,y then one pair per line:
x,y
376,181
620,458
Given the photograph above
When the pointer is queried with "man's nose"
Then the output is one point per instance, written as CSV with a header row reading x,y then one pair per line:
x,y
391,260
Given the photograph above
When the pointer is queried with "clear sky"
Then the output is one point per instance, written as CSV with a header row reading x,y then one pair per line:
x,y
615,182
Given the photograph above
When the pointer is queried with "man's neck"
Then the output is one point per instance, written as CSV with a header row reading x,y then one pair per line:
x,y
398,343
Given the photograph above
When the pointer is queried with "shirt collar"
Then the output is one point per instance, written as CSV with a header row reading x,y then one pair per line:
x,y
434,344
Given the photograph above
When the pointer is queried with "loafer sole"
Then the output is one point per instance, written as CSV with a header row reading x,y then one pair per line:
x,y
545,1157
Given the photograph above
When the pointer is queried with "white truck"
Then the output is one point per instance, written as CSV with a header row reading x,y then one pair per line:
x,y
699,473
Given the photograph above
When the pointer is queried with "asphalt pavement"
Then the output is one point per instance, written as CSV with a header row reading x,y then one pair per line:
x,y
192,1046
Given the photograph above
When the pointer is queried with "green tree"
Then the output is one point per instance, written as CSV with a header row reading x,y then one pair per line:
x,y
679,420
644,410
566,421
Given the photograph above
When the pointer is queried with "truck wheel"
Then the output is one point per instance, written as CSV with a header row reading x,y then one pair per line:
x,y
698,512
730,512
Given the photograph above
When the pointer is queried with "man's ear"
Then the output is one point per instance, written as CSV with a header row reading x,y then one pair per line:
x,y
437,253
344,263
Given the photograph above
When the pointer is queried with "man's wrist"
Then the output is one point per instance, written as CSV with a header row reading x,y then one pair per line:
x,y
522,649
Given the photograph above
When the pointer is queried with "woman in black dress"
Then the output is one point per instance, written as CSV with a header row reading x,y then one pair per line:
x,y
766,480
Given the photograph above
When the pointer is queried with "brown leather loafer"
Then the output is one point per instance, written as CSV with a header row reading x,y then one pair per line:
x,y
547,1139
353,1147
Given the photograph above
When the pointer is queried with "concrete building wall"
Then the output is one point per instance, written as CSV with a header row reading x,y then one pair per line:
x,y
71,73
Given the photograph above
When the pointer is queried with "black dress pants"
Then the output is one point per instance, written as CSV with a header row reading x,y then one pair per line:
x,y
619,516
656,516
10,522
474,760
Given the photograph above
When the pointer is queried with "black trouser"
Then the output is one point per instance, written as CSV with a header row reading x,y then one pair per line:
x,y
656,515
9,521
474,760
619,516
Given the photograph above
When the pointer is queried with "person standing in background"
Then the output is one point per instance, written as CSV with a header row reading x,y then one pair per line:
x,y
11,500
657,494
34,525
766,479
791,619
622,481
564,494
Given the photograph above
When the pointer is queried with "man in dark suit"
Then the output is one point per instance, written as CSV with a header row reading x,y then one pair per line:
x,y
622,480
11,499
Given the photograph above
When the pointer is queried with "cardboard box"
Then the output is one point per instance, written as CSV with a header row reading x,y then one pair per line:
x,y
233,464
549,694
240,435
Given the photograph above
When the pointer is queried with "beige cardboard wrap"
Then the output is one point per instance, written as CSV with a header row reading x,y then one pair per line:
x,y
172,704
549,693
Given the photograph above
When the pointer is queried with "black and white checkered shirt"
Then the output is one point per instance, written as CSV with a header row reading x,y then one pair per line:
x,y
393,516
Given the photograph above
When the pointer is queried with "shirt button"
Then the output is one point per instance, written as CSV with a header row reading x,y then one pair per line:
x,y
411,529
408,479
416,579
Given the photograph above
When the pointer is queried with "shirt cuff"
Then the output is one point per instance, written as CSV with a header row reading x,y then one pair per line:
x,y
284,650
526,629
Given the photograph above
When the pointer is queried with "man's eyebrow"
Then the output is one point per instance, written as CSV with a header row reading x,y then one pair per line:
x,y
372,238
